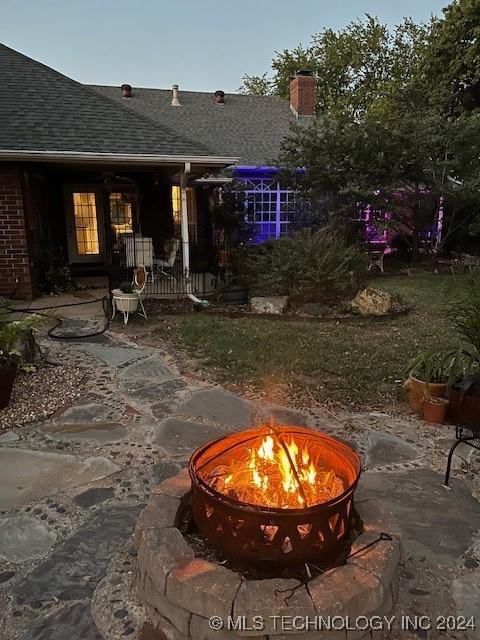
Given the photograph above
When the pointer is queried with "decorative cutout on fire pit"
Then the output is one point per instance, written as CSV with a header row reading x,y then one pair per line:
x,y
278,494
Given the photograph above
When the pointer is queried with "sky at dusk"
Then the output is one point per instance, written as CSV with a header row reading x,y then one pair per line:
x,y
199,44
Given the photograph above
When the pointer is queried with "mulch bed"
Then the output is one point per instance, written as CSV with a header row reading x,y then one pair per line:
x,y
180,307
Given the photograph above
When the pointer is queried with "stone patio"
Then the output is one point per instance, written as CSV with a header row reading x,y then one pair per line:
x,y
72,488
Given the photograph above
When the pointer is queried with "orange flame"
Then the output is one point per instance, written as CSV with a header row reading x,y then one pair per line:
x,y
271,473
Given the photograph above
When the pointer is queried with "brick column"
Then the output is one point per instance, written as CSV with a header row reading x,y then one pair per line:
x,y
15,274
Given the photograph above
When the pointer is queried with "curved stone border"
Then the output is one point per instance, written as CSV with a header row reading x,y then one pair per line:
x,y
181,592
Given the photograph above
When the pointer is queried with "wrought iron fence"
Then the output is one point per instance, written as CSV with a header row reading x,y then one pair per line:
x,y
166,274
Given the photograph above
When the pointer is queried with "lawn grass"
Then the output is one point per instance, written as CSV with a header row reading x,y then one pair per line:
x,y
357,363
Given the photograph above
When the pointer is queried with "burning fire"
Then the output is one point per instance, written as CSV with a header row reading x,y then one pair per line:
x,y
277,473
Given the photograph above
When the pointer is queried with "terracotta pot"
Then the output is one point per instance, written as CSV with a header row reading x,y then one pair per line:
x,y
435,410
7,378
463,407
418,389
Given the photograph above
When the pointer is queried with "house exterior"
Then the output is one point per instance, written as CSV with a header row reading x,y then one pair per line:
x,y
89,174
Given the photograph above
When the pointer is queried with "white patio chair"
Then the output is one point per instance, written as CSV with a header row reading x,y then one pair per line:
x,y
165,267
139,251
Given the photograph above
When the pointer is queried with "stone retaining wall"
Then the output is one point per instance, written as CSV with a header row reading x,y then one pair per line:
x,y
182,593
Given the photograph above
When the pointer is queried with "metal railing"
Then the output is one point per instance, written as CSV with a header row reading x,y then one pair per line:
x,y
167,276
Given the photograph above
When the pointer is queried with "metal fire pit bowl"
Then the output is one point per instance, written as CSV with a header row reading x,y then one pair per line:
x,y
259,535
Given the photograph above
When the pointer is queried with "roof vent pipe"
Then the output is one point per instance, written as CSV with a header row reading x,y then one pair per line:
x,y
175,99
126,91
219,96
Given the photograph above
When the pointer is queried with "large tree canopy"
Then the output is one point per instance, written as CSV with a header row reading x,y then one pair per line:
x,y
354,66
453,57
396,119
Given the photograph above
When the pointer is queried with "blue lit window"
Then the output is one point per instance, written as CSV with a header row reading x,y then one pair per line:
x,y
269,207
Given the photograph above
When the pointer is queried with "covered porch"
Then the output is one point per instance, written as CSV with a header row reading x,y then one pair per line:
x,y
100,221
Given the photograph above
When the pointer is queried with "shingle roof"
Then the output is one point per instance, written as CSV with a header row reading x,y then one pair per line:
x,y
43,110
250,127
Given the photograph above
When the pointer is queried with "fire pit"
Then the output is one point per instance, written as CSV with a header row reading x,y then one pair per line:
x,y
279,499
275,495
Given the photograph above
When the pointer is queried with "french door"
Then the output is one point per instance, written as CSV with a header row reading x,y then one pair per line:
x,y
85,227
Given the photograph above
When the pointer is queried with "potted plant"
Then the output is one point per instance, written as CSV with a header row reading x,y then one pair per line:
x,y
428,374
434,409
14,336
125,298
464,393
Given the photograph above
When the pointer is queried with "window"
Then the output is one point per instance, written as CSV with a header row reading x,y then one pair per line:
x,y
121,214
191,212
86,225
269,208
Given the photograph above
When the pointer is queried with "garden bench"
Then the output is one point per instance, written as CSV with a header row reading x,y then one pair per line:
x,y
466,433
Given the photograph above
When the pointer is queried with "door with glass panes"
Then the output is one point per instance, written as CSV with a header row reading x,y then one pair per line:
x,y
85,228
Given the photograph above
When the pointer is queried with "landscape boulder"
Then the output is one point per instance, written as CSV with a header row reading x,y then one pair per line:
x,y
269,304
372,301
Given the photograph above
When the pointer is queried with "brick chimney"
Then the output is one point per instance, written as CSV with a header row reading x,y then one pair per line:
x,y
303,94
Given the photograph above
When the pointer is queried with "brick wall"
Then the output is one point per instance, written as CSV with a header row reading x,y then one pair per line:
x,y
14,257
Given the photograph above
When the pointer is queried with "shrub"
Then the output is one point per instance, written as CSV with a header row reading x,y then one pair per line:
x,y
17,342
57,277
310,265
464,312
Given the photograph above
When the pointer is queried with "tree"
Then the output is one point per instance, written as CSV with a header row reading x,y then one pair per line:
x,y
402,163
353,66
397,124
256,85
453,57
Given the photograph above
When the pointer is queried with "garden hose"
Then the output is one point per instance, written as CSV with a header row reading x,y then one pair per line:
x,y
106,304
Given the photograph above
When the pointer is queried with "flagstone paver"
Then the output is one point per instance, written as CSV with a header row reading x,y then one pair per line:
x,y
73,621
466,593
78,413
29,475
93,496
101,432
385,448
182,437
219,407
74,568
146,371
8,436
114,356
24,538
434,523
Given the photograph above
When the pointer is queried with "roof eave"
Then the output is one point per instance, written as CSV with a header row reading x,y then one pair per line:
x,y
116,158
